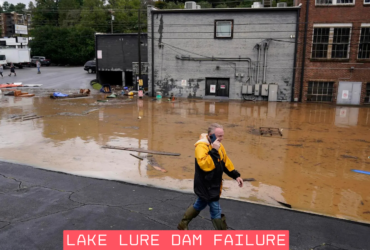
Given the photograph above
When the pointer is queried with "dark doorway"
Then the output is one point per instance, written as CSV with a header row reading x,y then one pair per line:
x,y
217,87
129,78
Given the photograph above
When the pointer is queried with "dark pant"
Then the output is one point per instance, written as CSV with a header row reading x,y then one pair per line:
x,y
214,207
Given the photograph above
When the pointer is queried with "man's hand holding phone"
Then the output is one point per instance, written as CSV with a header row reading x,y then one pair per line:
x,y
216,145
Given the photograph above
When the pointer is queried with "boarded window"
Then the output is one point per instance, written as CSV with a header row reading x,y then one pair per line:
x,y
320,91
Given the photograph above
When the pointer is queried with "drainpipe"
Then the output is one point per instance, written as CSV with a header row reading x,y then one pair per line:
x,y
295,53
258,62
266,48
153,92
304,50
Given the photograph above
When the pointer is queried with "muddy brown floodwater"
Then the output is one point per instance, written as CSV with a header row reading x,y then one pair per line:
x,y
309,167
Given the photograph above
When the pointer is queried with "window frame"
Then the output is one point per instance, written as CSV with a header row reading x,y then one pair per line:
x,y
332,26
317,95
363,25
232,28
334,3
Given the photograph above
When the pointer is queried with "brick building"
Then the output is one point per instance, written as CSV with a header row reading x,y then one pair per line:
x,y
334,43
8,20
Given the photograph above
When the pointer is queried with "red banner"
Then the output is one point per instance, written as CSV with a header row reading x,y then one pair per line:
x,y
195,240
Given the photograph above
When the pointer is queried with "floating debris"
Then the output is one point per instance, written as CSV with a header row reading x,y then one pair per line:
x,y
249,179
349,156
270,131
137,157
142,150
360,171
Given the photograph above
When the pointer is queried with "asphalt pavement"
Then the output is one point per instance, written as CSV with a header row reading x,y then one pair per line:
x,y
51,77
37,205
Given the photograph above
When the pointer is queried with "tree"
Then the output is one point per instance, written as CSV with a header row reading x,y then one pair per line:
x,y
205,5
160,4
19,8
45,13
223,5
69,12
31,6
1,9
11,8
64,45
5,6
94,15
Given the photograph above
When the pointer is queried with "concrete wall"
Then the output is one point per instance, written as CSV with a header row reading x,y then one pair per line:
x,y
192,34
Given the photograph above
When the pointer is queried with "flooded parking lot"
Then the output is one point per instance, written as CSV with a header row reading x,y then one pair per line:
x,y
308,167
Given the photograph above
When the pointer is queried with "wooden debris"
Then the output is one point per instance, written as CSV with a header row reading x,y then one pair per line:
x,y
249,179
142,150
349,156
137,157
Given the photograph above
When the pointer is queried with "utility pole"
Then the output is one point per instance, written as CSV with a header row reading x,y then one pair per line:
x,y
111,23
139,42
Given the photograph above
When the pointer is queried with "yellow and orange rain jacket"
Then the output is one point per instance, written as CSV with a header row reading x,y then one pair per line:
x,y
209,167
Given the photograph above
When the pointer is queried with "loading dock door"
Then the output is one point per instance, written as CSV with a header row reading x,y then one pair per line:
x,y
349,93
217,87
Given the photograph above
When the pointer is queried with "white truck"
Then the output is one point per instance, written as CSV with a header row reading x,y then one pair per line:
x,y
15,51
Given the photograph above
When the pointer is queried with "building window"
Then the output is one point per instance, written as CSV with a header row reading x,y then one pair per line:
x,y
366,1
336,2
364,46
224,28
320,91
331,42
367,94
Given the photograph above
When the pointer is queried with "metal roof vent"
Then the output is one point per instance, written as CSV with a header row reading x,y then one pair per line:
x,y
282,5
190,5
198,7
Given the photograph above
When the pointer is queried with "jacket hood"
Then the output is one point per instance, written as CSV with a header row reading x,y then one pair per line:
x,y
202,139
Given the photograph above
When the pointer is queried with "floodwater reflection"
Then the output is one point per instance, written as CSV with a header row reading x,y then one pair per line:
x,y
309,167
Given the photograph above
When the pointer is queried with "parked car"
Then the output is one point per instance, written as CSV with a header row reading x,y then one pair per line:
x,y
90,66
42,59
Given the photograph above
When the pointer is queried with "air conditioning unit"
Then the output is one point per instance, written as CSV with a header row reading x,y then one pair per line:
x,y
282,5
257,5
198,7
190,5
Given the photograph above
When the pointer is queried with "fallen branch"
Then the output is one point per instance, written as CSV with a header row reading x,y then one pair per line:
x,y
142,150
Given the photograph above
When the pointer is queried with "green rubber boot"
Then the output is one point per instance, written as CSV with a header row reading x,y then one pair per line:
x,y
190,214
220,224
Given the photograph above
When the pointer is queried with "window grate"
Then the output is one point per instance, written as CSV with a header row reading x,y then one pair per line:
x,y
367,94
320,91
364,46
320,42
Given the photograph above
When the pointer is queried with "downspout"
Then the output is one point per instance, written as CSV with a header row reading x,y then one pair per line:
x,y
264,62
153,93
258,62
304,50
266,48
295,53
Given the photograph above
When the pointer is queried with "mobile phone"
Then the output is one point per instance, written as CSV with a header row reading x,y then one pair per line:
x,y
213,138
